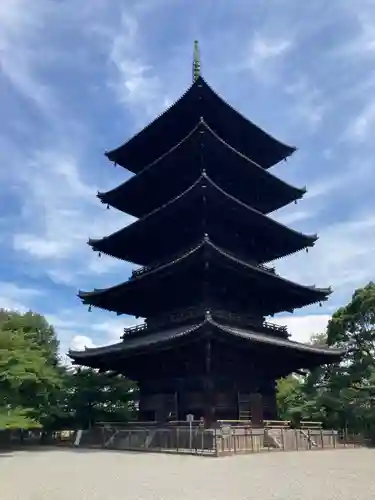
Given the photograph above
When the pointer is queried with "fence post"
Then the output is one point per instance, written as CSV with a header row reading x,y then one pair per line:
x,y
215,443
266,433
309,444
283,439
296,436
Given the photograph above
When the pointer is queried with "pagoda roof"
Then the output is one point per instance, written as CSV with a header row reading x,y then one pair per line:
x,y
201,149
200,100
179,283
305,355
241,226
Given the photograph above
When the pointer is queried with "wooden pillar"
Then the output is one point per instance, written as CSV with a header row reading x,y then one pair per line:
x,y
209,410
256,409
268,391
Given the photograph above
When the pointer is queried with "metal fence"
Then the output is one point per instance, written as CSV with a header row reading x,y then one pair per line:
x,y
195,439
224,440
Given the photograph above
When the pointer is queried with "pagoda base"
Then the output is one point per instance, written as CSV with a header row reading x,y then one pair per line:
x,y
222,440
252,407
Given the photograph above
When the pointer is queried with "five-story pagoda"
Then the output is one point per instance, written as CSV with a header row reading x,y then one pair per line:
x,y
202,192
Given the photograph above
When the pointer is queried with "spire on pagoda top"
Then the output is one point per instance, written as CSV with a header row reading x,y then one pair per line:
x,y
196,62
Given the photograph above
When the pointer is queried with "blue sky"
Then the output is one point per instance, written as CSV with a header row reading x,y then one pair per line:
x,y
79,77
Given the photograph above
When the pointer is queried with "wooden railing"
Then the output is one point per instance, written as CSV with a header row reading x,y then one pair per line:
x,y
277,424
144,269
226,439
199,313
135,329
311,425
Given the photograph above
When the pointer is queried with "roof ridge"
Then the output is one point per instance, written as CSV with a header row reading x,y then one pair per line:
x,y
204,175
280,341
187,253
202,122
167,335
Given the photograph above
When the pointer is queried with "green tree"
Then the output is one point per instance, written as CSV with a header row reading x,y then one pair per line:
x,y
35,328
342,395
26,379
36,390
98,397
289,394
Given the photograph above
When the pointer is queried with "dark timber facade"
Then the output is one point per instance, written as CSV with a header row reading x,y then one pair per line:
x,y
202,192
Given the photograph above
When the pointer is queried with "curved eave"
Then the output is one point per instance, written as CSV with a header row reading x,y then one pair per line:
x,y
133,156
100,244
321,293
155,339
280,342
167,338
315,294
116,197
287,149
310,239
99,291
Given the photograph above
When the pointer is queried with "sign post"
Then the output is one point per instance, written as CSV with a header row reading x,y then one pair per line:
x,y
190,419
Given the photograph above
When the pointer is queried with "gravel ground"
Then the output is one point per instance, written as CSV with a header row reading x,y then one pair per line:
x,y
78,475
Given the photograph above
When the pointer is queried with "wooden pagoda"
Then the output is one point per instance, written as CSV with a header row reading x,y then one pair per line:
x,y
202,193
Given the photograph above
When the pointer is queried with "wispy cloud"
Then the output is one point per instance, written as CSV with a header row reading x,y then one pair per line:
x,y
302,328
15,297
363,125
265,54
343,258
309,105
136,83
21,37
59,214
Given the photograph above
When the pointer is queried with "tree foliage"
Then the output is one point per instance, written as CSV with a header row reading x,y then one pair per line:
x,y
341,395
36,390
93,397
28,376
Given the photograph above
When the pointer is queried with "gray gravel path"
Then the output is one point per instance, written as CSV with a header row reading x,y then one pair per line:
x,y
105,475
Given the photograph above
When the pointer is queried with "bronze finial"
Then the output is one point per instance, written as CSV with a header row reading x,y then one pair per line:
x,y
196,62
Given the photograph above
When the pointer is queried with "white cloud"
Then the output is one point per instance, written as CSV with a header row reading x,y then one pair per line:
x,y
363,126
77,327
309,106
135,82
343,257
22,49
113,329
60,213
302,328
288,216
16,297
60,210
80,342
361,43
265,53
